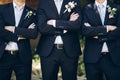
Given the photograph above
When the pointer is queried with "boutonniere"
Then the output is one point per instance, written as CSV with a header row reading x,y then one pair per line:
x,y
111,11
70,6
29,14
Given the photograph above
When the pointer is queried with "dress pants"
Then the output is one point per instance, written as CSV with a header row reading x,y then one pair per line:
x,y
9,63
103,68
50,66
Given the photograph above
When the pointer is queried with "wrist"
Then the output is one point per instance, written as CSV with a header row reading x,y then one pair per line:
x,y
13,30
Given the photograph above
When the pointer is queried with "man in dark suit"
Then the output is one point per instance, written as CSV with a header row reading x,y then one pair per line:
x,y
17,27
59,22
101,22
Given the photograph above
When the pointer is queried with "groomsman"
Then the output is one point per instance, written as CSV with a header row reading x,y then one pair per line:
x,y
101,27
17,27
59,23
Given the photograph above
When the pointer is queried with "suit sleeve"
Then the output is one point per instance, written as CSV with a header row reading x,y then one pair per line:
x,y
43,27
71,25
4,34
42,24
116,33
91,31
25,32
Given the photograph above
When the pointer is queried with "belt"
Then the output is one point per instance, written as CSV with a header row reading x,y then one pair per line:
x,y
11,52
105,53
59,46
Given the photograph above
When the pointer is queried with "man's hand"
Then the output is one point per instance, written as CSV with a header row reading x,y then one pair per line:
x,y
74,16
95,37
21,38
10,28
87,24
111,28
51,22
32,26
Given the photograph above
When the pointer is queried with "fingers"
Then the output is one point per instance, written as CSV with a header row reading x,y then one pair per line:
x,y
21,38
73,13
87,24
64,31
32,26
111,28
50,22
74,16
95,37
10,28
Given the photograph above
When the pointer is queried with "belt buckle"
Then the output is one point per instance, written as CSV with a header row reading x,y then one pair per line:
x,y
104,53
13,52
59,46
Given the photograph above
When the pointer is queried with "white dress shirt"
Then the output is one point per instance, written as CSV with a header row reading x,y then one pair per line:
x,y
102,12
18,10
58,4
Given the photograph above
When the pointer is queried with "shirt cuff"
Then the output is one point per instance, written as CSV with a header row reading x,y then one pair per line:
x,y
54,23
107,28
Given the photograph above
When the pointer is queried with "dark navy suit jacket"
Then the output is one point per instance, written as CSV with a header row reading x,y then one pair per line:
x,y
7,18
93,47
46,11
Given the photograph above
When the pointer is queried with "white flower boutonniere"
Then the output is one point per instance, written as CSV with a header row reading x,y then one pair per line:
x,y
70,6
111,11
29,14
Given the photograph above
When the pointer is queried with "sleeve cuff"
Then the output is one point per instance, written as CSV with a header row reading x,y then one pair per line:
x,y
107,28
54,23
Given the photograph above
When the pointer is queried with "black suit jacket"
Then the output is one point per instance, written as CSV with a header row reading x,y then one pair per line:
x,y
7,18
93,47
46,11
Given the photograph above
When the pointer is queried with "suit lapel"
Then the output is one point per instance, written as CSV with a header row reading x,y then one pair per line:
x,y
96,14
11,14
53,7
106,17
63,7
107,14
23,15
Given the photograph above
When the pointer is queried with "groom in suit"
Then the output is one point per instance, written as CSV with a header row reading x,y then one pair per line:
x,y
59,22
101,27
17,27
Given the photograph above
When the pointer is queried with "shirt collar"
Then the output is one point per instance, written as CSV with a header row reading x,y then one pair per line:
x,y
58,0
104,3
16,6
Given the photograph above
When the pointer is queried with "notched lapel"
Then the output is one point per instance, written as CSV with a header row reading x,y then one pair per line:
x,y
53,7
96,15
11,14
106,16
65,2
23,14
63,7
107,13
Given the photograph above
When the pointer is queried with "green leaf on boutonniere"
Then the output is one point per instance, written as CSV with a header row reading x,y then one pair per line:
x,y
111,11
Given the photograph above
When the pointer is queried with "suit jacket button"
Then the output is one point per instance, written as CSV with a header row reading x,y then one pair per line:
x,y
5,43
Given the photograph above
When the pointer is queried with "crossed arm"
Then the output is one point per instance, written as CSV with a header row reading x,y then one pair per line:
x,y
12,29
109,28
91,28
54,26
